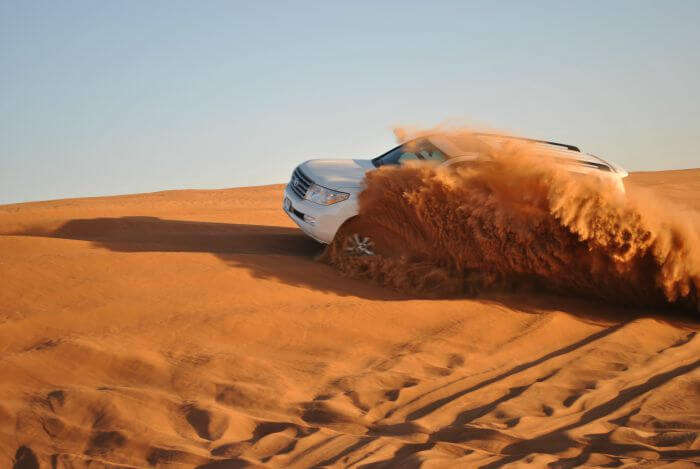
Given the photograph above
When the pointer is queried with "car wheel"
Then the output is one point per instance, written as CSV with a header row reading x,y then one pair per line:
x,y
358,245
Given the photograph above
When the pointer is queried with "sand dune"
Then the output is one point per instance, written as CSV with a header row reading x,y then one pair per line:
x,y
196,328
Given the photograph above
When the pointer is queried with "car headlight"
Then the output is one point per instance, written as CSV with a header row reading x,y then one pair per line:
x,y
323,196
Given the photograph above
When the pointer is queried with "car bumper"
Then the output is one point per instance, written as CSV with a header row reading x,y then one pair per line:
x,y
320,222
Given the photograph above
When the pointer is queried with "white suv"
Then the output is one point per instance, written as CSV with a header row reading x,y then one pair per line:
x,y
322,194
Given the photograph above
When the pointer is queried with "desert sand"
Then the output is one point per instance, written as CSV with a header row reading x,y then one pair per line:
x,y
195,328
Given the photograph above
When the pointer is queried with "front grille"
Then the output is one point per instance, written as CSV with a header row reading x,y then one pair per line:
x,y
300,183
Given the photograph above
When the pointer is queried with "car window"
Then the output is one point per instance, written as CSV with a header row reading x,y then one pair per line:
x,y
435,155
407,156
420,149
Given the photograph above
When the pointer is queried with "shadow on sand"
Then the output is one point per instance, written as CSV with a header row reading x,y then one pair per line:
x,y
268,252
287,255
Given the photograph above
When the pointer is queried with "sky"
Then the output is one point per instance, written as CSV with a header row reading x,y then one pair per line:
x,y
100,98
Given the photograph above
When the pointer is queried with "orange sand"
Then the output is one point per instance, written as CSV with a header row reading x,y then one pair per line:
x,y
195,328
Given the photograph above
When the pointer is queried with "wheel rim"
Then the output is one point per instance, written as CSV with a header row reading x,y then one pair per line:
x,y
359,246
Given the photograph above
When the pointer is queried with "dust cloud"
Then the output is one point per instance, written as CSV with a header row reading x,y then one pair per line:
x,y
520,220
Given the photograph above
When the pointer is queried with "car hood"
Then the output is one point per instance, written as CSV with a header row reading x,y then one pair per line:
x,y
337,174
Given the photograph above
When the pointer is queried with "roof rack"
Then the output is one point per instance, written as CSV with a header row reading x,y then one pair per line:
x,y
565,145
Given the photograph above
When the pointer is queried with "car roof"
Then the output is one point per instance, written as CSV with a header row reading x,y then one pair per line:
x,y
544,142
558,150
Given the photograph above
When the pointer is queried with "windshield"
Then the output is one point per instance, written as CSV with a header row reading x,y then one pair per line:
x,y
420,149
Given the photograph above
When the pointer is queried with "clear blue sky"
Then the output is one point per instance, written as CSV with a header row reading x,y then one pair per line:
x,y
131,96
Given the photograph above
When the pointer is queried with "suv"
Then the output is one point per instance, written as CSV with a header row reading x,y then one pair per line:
x,y
322,194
